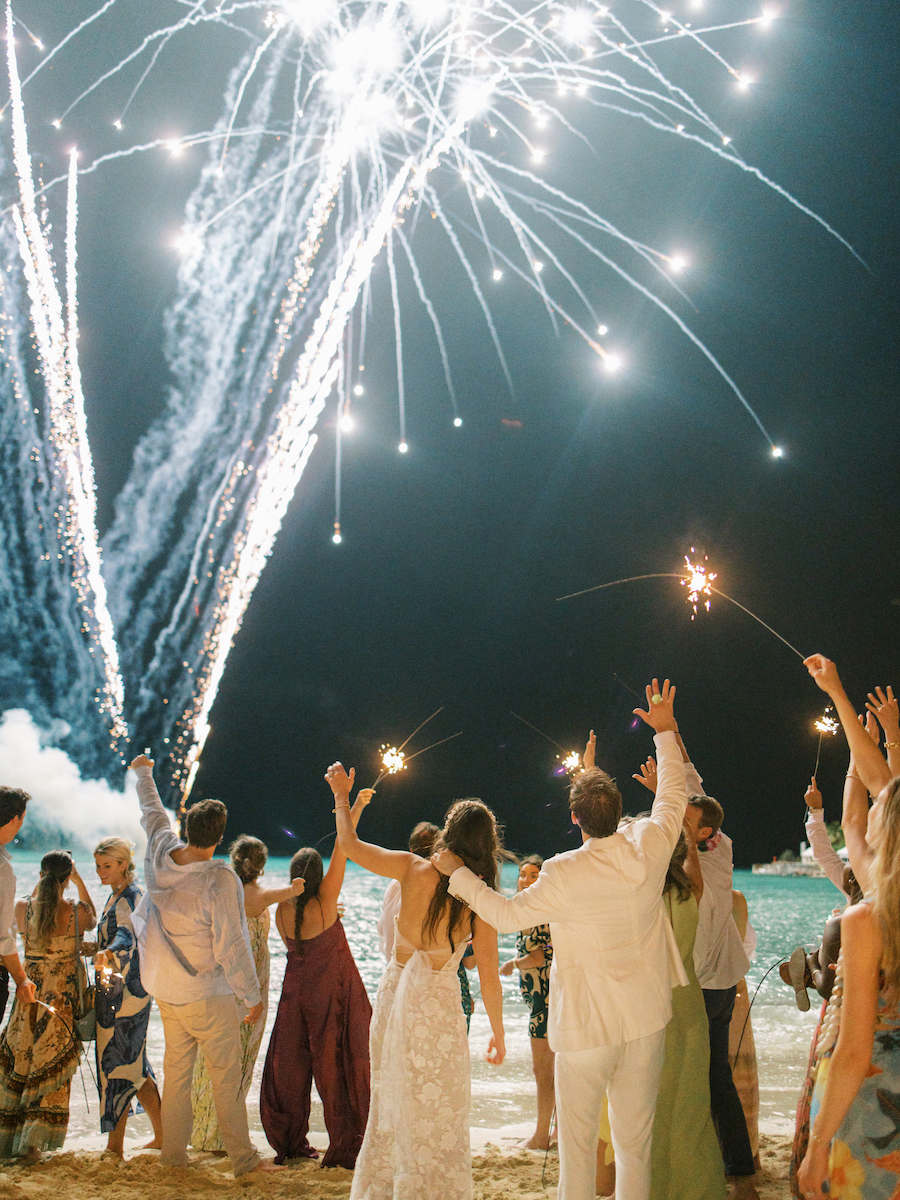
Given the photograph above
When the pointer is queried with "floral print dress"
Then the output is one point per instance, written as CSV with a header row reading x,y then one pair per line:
x,y
123,1012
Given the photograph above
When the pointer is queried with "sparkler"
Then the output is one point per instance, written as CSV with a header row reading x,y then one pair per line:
x,y
570,761
395,109
825,725
699,583
394,760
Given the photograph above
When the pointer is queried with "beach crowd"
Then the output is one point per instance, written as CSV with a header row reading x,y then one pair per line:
x,y
631,951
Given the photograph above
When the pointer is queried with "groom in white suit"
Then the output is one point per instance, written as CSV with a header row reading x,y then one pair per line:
x,y
615,960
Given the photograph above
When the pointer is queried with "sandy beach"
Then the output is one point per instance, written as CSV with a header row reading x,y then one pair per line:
x,y
499,1170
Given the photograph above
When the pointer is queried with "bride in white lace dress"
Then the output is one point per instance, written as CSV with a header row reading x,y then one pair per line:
x,y
416,1145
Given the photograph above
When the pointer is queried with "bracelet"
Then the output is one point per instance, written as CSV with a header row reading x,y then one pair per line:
x,y
337,806
891,745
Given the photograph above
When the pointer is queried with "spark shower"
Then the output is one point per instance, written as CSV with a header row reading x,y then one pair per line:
x,y
343,127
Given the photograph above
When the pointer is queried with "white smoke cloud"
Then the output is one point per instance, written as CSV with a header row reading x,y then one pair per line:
x,y
85,810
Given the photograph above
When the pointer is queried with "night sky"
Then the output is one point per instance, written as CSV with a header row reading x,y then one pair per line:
x,y
444,589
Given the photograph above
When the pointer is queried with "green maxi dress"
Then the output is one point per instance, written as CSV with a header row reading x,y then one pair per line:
x,y
686,1162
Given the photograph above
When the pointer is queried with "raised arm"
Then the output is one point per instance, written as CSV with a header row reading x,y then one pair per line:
x,y
334,876
886,709
88,911
257,899
823,851
391,863
855,816
155,817
873,770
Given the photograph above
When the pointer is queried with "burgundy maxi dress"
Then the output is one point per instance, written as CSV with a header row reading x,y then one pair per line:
x,y
321,1032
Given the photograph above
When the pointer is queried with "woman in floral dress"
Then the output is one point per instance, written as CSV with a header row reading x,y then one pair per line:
x,y
123,1007
248,857
854,1134
39,1050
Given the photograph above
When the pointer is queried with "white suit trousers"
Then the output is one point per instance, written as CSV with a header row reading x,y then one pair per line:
x,y
629,1075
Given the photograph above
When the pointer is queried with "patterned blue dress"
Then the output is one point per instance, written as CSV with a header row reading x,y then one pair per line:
x,y
123,1013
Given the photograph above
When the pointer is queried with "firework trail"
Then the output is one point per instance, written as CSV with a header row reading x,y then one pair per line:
x,y
341,122
68,454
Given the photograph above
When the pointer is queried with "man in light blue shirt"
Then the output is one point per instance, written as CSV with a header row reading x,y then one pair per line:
x,y
196,962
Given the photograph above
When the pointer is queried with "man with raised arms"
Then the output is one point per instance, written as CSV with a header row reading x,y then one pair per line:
x,y
615,960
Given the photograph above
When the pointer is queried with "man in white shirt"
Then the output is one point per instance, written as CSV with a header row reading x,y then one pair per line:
x,y
721,963
196,962
615,961
12,815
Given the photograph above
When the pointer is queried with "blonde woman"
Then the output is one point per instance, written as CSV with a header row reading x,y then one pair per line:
x,y
123,1007
39,1050
248,857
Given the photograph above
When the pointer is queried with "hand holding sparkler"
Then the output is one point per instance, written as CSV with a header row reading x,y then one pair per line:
x,y
660,715
873,770
647,775
26,992
813,796
142,760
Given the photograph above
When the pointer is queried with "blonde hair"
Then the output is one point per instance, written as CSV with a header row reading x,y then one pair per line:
x,y
886,876
121,851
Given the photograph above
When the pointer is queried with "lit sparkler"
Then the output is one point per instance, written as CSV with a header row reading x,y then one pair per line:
x,y
572,762
395,108
826,725
698,581
392,761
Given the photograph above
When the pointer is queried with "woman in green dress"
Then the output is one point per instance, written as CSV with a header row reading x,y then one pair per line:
x,y
685,1162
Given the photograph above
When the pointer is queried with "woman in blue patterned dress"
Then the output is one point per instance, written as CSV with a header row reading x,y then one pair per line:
x,y
854,1136
533,957
123,1007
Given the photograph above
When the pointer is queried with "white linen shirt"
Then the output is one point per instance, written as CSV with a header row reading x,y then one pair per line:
x,y
191,926
7,904
719,956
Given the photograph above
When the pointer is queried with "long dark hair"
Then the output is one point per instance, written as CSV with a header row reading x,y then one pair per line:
x,y
56,867
677,878
306,865
471,832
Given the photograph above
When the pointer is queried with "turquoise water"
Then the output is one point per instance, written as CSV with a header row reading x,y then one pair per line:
x,y
784,912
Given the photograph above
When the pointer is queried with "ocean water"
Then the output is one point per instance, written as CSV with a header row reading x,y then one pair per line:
x,y
784,912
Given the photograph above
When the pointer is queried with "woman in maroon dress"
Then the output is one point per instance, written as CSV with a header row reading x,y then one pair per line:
x,y
321,1031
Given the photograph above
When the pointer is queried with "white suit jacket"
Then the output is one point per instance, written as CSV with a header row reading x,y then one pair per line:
x,y
615,960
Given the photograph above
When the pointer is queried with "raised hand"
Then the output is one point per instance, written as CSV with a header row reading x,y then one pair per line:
x,y
825,673
141,761
647,775
660,714
588,759
813,796
339,781
364,796
887,710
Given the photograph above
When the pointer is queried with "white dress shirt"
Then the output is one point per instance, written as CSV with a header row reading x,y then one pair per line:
x,y
719,956
7,904
191,926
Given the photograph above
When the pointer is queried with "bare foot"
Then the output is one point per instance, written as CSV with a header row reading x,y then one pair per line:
x,y
156,1144
265,1165
741,1187
112,1154
536,1143
31,1156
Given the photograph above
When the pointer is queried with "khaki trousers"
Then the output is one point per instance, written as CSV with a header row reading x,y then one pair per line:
x,y
214,1026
